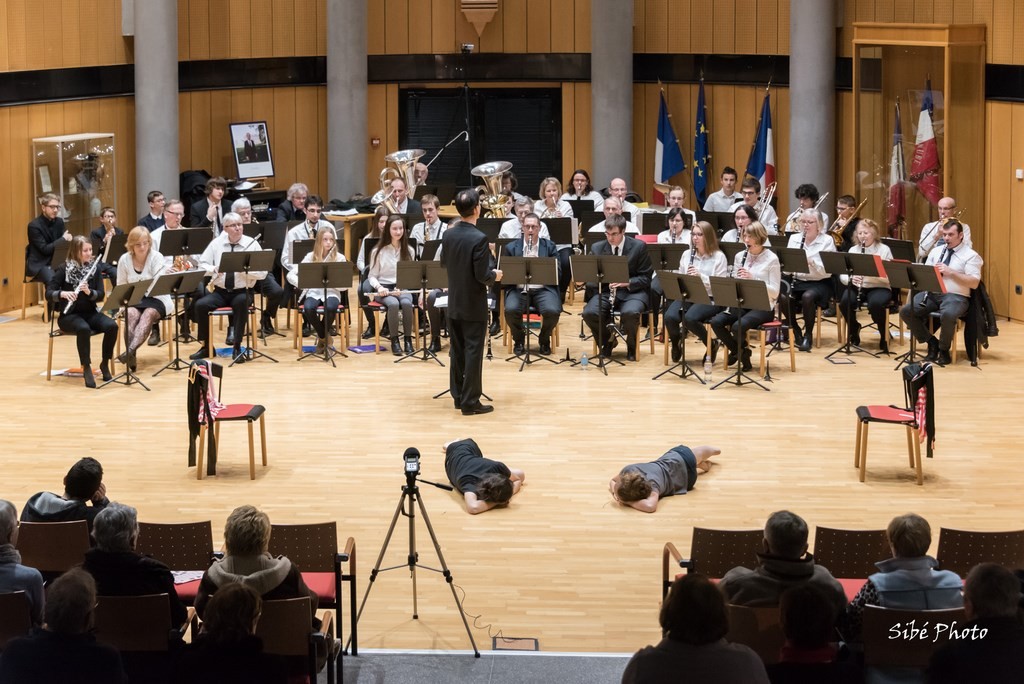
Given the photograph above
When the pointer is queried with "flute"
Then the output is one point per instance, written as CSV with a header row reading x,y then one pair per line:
x,y
83,281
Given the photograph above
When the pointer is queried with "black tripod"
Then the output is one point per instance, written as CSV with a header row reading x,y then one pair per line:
x,y
122,297
426,276
740,295
524,272
682,288
177,285
406,506
601,269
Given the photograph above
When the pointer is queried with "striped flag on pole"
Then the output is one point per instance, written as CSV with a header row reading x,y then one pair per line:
x,y
897,205
668,159
761,164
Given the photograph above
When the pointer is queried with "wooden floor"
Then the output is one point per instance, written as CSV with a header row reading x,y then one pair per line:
x,y
563,563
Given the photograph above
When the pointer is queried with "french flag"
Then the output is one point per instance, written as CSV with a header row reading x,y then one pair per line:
x,y
761,164
897,205
924,169
668,159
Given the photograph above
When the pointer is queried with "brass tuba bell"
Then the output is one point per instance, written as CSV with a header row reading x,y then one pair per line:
x,y
492,201
405,168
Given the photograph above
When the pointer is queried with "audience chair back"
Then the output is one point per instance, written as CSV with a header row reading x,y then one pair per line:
x,y
961,550
759,628
850,553
53,547
284,629
135,623
713,553
15,616
882,650
179,546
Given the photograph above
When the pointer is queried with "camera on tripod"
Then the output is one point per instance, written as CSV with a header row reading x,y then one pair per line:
x,y
411,458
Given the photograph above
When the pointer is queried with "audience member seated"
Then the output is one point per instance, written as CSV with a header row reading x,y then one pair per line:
x,y
641,485
483,483
783,563
991,646
64,650
909,580
119,570
811,654
13,575
83,485
695,621
227,649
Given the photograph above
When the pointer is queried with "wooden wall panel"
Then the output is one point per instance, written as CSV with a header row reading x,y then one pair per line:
x,y
998,162
581,17
679,19
538,32
655,26
723,31
419,26
1016,194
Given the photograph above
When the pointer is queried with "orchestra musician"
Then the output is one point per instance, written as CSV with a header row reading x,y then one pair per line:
x,y
325,250
704,259
101,237
141,262
293,208
807,197
814,289
45,232
765,214
724,199
743,216
174,211
513,228
580,188
154,218
875,292
383,276
431,227
676,231
931,233
960,268
617,189
613,207
210,210
229,289
402,202
756,263
675,199
79,284
377,223
845,206
544,297
312,207
630,298
549,205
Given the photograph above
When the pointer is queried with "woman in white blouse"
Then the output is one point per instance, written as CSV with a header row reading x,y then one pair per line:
x,y
142,262
874,292
383,275
325,249
580,188
380,218
549,205
703,259
753,263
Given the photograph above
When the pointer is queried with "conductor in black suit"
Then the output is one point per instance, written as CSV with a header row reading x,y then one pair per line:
x,y
546,298
45,232
466,256
631,299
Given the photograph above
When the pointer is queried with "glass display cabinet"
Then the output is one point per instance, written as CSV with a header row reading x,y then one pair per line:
x,y
80,170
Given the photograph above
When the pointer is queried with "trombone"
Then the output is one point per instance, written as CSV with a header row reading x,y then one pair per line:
x,y
796,214
766,201
836,229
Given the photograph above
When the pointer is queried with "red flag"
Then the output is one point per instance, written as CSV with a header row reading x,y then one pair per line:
x,y
897,205
924,169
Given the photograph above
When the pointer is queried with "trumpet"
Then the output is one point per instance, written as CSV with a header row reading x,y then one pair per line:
x,y
550,211
766,200
836,229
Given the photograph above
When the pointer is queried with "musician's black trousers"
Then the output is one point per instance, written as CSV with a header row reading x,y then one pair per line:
x,y
82,327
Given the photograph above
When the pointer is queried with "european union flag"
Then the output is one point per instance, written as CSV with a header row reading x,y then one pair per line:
x,y
701,153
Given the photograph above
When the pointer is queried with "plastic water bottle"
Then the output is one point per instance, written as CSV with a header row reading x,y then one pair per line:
x,y
584,362
707,368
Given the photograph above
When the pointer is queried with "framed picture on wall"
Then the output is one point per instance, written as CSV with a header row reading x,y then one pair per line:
x,y
251,144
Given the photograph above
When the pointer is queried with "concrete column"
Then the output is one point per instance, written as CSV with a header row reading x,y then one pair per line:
x,y
156,102
346,98
611,90
812,94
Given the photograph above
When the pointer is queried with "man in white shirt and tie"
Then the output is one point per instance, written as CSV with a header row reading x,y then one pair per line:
x,y
931,233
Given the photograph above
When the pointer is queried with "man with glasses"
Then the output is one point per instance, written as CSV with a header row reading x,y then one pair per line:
x,y
751,191
45,232
174,212
155,218
307,230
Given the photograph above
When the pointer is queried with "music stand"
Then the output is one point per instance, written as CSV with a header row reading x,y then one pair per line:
x,y
122,297
731,249
491,227
740,293
601,269
653,222
184,241
529,271
333,275
430,250
666,256
792,262
851,264
243,263
60,255
901,249
916,278
581,205
683,288
421,276
562,230
118,247
177,285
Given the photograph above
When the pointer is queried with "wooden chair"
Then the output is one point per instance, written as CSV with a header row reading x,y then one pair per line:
x,y
179,546
882,650
26,284
850,553
56,332
314,549
222,313
250,413
759,628
285,630
140,628
341,320
908,417
961,550
712,553
15,616
53,547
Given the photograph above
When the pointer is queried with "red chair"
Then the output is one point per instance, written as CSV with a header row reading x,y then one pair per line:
x,y
199,397
712,553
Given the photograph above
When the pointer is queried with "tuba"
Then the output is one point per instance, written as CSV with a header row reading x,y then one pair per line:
x,y
405,168
492,201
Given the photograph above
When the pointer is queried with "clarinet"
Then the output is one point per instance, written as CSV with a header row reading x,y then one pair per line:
x,y
693,254
860,287
83,281
743,261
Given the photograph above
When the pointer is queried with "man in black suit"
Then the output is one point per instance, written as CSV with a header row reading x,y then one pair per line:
x,y
293,208
210,211
631,299
45,232
545,298
400,197
465,255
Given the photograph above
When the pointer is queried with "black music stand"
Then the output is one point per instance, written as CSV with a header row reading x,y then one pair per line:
x,y
683,288
581,205
334,275
184,241
601,269
242,263
120,298
731,249
491,227
916,278
562,231
792,262
430,250
422,276
851,264
740,293
529,271
901,249
177,285
118,247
